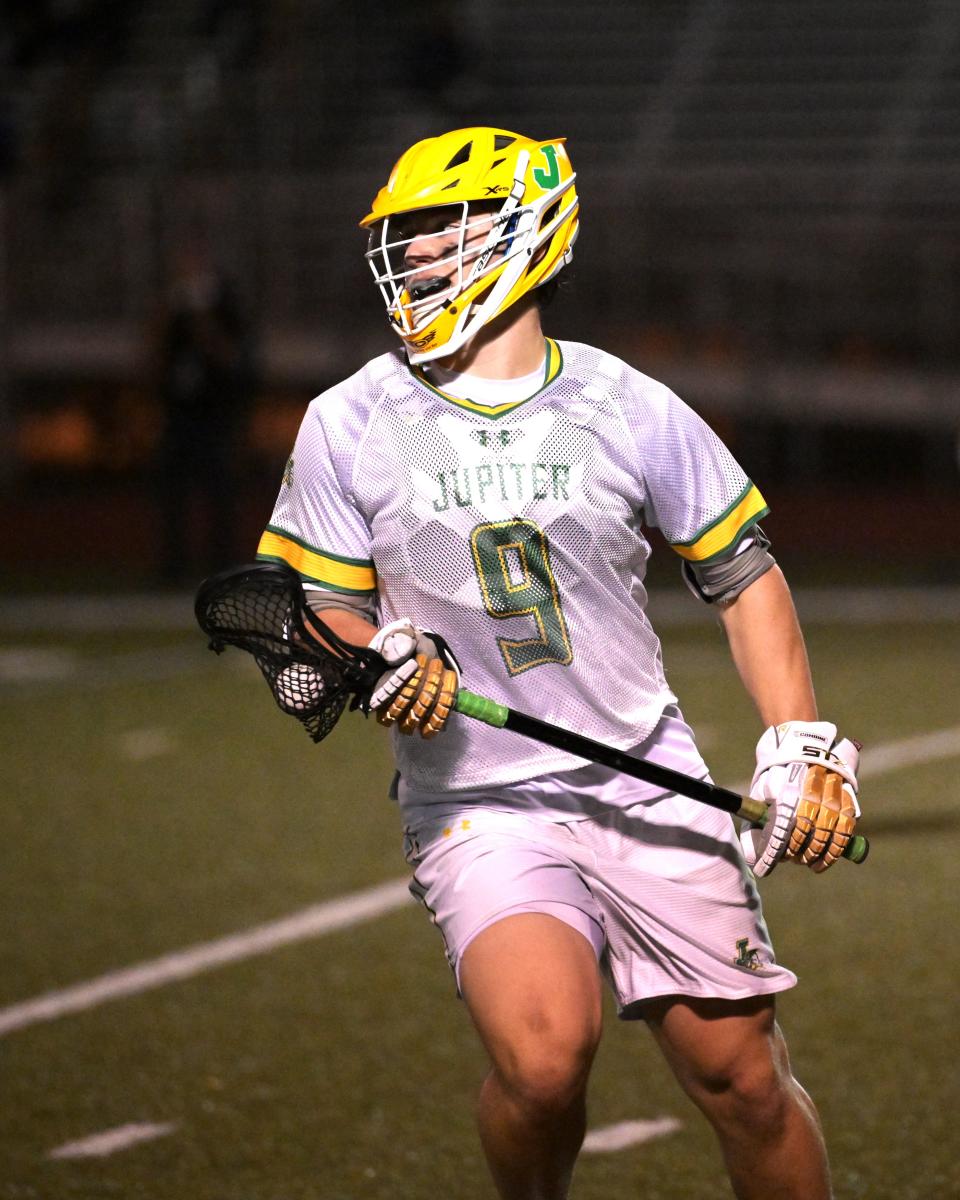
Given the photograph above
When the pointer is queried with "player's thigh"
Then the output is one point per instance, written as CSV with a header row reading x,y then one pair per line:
x,y
532,987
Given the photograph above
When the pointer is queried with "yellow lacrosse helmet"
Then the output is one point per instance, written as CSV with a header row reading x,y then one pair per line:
x,y
501,214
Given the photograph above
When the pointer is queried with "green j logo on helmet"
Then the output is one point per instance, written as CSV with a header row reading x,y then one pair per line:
x,y
551,177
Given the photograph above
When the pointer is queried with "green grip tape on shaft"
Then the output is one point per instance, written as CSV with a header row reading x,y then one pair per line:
x,y
482,709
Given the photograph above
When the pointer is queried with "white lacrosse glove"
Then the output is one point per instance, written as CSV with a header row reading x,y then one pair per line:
x,y
420,689
809,781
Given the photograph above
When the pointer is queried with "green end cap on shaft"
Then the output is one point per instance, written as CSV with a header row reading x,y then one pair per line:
x,y
482,709
857,848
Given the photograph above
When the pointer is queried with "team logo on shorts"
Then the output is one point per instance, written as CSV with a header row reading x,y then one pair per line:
x,y
747,956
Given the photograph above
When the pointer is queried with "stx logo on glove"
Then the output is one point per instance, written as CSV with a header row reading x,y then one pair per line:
x,y
826,756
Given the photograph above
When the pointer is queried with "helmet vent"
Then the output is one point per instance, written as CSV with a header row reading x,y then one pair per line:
x,y
462,156
496,162
447,186
501,141
550,213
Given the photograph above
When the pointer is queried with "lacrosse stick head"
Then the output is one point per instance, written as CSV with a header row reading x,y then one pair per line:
x,y
312,673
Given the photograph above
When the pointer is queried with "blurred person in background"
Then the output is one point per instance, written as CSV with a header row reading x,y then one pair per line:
x,y
206,382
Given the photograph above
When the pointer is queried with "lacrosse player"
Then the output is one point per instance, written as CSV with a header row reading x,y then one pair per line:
x,y
488,487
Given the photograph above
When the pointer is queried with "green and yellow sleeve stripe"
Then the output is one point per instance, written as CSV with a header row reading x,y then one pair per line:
x,y
727,529
314,566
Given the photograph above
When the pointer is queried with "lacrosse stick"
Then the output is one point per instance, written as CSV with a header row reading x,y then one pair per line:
x,y
314,674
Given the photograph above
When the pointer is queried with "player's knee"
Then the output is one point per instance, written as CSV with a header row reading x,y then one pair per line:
x,y
547,1074
761,1095
754,1093
546,1085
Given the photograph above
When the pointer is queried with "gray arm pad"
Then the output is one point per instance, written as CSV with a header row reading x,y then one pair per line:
x,y
320,598
721,582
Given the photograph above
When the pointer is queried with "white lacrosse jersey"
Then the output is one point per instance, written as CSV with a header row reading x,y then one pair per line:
x,y
517,532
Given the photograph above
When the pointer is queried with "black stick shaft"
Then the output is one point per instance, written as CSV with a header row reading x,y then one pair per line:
x,y
619,760
491,713
745,807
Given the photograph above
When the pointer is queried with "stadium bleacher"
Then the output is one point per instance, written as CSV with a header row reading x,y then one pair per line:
x,y
765,182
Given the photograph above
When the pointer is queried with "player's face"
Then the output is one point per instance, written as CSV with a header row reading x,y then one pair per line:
x,y
433,241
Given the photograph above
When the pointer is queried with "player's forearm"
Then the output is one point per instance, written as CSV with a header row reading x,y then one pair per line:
x,y
348,625
769,652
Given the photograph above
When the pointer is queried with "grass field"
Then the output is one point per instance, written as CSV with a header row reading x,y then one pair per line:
x,y
155,800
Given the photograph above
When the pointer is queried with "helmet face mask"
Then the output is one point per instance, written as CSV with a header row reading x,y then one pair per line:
x,y
469,222
423,260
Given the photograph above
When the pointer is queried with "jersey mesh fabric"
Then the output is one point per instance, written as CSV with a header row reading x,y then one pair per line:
x,y
518,538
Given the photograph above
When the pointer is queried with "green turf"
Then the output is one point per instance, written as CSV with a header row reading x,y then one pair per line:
x,y
144,814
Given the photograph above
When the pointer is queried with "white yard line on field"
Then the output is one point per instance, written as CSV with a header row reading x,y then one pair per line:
x,y
342,913
628,1133
99,1145
911,751
141,745
311,922
36,664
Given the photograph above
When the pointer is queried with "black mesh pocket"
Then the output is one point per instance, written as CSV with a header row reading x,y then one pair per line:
x,y
312,673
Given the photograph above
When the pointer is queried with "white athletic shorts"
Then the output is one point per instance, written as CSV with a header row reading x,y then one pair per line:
x,y
655,881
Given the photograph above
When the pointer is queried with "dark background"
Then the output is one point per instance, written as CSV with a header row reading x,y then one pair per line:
x,y
769,224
